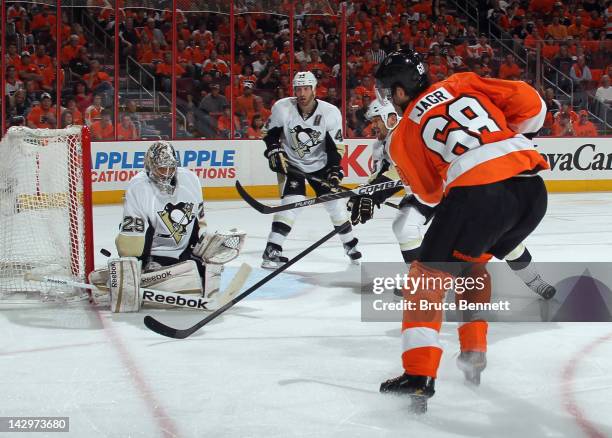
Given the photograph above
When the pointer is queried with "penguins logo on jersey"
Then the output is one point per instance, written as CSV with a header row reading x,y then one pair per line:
x,y
304,139
176,218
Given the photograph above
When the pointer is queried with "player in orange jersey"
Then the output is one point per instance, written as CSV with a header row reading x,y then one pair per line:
x,y
463,146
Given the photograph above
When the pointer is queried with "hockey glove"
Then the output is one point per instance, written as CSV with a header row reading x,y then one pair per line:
x,y
334,176
361,208
277,159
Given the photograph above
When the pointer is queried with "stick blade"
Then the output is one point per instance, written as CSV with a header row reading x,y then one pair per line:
x,y
250,200
162,329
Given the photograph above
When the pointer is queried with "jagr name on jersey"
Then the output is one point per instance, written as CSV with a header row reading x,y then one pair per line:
x,y
428,102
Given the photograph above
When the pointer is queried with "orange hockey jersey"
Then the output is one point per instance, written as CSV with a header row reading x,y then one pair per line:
x,y
465,131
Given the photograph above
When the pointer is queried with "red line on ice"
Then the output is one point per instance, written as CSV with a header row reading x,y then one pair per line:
x,y
568,391
164,421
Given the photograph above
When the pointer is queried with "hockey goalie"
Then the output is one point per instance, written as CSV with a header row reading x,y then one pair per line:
x,y
163,243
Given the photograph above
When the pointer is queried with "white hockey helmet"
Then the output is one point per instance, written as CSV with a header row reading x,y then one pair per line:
x,y
160,164
383,110
305,79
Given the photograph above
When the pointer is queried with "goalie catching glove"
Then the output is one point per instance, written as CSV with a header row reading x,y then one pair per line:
x,y
220,247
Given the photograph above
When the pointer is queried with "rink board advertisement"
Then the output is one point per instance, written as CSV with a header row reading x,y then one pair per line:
x,y
577,164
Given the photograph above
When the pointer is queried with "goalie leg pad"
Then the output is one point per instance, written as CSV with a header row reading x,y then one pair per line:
x,y
182,278
124,283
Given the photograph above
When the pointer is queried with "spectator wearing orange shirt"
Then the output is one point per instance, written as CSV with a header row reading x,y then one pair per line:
x,y
213,63
578,29
29,71
510,69
596,21
97,80
259,107
71,50
12,56
151,55
317,64
424,23
40,58
224,122
566,109
584,127
366,88
437,66
103,129
77,115
254,131
49,73
557,30
152,33
43,22
41,115
245,102
480,49
127,129
164,72
562,126
93,113
18,15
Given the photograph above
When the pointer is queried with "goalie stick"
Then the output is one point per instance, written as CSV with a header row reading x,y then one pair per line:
x,y
325,183
269,209
164,330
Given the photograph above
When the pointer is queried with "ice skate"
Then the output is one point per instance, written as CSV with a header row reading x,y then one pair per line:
x,y
472,363
350,248
418,388
273,257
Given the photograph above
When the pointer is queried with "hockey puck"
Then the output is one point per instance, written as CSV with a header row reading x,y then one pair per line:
x,y
105,252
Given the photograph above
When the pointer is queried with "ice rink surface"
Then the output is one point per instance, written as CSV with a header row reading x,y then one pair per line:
x,y
294,360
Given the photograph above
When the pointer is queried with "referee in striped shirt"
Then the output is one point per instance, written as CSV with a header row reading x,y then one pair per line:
x,y
378,54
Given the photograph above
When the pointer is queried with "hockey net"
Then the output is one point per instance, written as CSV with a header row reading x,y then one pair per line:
x,y
45,213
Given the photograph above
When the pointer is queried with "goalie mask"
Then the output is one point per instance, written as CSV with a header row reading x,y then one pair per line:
x,y
383,110
160,164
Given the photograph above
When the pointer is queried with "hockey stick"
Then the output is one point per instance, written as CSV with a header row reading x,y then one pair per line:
x,y
164,330
321,181
234,286
363,190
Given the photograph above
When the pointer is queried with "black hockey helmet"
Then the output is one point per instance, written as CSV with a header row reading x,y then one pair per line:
x,y
404,68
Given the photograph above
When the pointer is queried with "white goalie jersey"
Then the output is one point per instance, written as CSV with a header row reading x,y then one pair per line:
x,y
165,221
304,140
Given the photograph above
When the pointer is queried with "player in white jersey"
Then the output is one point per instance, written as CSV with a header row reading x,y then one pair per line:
x,y
163,222
163,212
305,133
409,223
412,219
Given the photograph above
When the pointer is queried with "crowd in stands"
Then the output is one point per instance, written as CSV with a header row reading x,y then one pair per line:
x,y
572,37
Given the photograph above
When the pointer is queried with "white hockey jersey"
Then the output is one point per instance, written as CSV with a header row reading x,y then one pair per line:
x,y
304,140
382,162
166,221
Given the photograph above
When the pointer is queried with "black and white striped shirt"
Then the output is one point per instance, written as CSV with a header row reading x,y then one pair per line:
x,y
378,55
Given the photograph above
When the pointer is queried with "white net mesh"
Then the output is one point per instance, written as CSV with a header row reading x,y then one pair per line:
x,y
42,215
